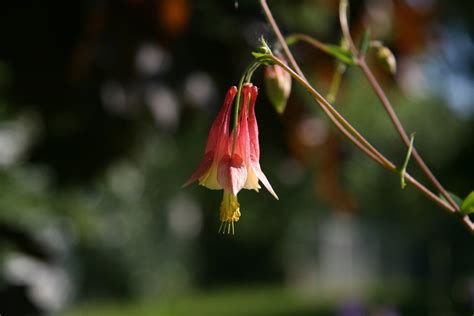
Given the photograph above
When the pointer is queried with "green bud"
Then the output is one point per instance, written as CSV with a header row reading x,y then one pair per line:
x,y
388,59
277,86
263,53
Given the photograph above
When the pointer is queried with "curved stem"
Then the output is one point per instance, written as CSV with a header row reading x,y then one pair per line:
x,y
403,135
281,39
371,153
306,38
343,6
401,131
245,78
391,113
387,105
393,116
335,117
340,122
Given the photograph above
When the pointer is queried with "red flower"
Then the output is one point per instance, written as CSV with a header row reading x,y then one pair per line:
x,y
232,164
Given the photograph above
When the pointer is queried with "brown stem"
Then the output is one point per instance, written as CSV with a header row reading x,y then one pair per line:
x,y
345,24
376,156
403,135
335,116
281,39
386,103
401,131
342,124
379,91
390,111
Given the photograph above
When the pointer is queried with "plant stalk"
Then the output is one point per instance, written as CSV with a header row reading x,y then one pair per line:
x,y
347,129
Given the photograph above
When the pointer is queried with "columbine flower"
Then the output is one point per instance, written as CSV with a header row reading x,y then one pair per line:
x,y
231,161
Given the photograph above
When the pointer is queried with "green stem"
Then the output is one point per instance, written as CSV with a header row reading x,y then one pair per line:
x,y
405,163
246,77
359,140
343,7
368,150
294,38
336,82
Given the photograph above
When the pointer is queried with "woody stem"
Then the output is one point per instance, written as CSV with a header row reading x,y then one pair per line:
x,y
347,129
370,151
361,62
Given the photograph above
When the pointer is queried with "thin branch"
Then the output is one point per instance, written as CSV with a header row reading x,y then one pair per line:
x,y
311,40
386,103
281,39
380,159
342,124
335,117
401,131
343,6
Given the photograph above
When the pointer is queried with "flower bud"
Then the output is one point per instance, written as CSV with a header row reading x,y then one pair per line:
x,y
278,86
388,59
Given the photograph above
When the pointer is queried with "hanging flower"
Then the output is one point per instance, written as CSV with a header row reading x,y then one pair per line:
x,y
231,160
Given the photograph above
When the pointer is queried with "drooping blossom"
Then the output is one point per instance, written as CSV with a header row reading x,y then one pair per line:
x,y
231,160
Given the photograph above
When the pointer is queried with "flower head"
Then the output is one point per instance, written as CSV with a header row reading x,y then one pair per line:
x,y
231,160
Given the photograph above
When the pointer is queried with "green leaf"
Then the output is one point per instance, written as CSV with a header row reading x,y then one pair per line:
x,y
340,53
365,44
405,163
259,55
455,198
263,53
467,206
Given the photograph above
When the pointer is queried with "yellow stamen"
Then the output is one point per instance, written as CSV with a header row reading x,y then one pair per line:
x,y
229,213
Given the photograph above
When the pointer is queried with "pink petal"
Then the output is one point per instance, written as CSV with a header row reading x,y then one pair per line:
x,y
232,170
242,144
220,126
232,173
254,143
203,167
261,176
217,138
253,127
